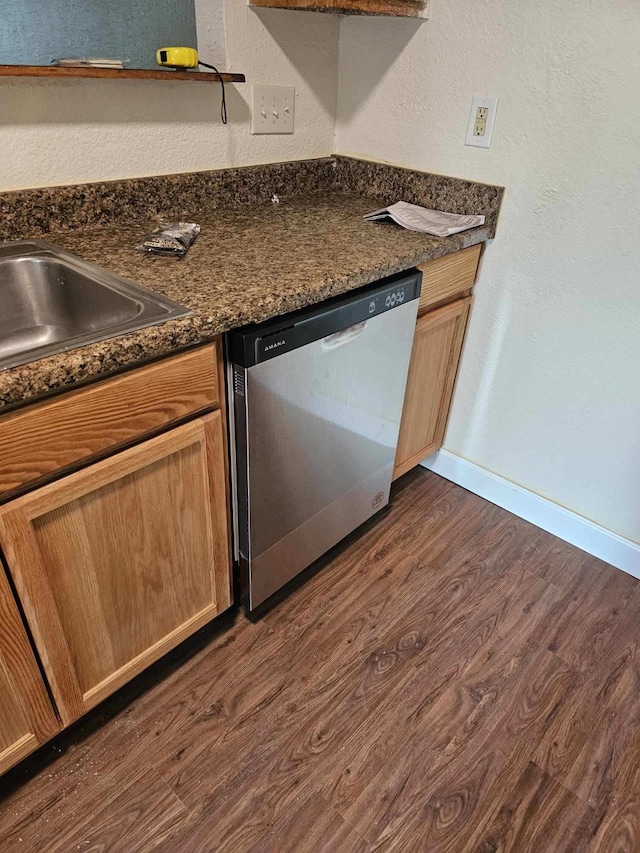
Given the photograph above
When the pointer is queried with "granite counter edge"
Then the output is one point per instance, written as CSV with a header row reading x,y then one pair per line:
x,y
38,380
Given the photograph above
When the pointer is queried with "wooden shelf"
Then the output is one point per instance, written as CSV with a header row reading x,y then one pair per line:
x,y
396,8
118,73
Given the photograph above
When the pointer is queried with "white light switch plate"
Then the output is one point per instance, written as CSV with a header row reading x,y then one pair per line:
x,y
481,121
273,108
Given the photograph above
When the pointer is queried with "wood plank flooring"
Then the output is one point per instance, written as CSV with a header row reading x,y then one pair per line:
x,y
451,680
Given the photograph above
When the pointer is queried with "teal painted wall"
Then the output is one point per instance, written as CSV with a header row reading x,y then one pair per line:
x,y
33,32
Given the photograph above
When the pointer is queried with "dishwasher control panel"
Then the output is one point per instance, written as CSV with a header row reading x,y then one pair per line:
x,y
257,343
391,298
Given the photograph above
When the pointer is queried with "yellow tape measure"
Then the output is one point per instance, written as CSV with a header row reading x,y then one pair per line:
x,y
177,57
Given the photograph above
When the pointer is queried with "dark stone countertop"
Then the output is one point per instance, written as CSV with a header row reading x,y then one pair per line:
x,y
250,263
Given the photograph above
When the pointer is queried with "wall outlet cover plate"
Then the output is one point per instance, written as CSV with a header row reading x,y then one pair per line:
x,y
481,120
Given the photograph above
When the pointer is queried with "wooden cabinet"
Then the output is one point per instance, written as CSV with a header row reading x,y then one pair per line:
x,y
442,319
116,563
27,718
397,8
434,364
120,561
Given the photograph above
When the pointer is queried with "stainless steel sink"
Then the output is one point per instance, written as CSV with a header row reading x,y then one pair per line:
x,y
52,301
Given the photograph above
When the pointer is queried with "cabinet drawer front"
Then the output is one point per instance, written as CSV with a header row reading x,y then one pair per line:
x,y
447,278
79,425
119,562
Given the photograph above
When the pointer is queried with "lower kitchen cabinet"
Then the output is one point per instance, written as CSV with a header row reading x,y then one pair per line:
x,y
434,364
27,718
117,563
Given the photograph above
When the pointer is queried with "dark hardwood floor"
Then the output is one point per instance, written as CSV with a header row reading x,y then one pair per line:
x,y
452,680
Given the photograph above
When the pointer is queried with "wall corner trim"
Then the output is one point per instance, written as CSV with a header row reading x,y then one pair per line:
x,y
622,553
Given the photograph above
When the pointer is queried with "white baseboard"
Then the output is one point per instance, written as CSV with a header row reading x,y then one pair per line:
x,y
573,528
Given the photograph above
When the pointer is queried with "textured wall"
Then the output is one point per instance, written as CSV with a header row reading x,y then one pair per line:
x,y
33,32
549,391
59,132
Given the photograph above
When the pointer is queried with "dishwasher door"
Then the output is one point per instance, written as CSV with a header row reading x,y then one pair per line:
x,y
316,444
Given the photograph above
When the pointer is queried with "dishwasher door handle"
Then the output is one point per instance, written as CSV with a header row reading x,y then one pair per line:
x,y
343,337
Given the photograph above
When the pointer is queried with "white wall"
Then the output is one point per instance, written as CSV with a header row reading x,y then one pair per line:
x,y
549,391
61,132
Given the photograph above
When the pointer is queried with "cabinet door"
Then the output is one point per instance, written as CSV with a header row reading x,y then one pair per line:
x,y
434,363
27,718
119,562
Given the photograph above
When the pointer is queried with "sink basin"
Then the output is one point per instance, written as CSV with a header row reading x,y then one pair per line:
x,y
51,301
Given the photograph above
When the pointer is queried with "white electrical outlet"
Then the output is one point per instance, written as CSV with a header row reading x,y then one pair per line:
x,y
273,108
481,120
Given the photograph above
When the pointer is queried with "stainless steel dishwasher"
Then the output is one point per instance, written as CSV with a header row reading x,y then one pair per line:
x,y
316,399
